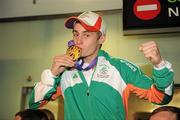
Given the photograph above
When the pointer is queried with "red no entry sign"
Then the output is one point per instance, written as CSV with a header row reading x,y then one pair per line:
x,y
146,9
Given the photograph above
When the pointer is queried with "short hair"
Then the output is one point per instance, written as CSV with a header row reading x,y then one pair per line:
x,y
175,110
49,114
30,114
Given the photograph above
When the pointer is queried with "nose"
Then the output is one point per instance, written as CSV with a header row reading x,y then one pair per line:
x,y
78,40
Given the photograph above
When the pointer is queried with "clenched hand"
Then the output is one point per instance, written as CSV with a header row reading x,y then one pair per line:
x,y
151,52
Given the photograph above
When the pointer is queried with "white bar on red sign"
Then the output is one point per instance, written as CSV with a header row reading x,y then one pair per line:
x,y
147,7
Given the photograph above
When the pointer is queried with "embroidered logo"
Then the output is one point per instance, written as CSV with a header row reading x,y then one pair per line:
x,y
103,71
75,76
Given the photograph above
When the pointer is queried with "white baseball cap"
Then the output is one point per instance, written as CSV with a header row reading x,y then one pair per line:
x,y
89,20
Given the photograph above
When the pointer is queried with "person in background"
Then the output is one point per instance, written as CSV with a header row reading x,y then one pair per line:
x,y
166,113
29,114
49,114
96,86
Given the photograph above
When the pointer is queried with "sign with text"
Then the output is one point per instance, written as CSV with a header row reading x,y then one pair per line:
x,y
151,16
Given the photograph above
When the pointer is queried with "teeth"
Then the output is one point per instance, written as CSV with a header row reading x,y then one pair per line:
x,y
74,52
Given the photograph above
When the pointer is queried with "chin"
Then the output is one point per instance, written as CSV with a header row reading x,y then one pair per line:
x,y
83,56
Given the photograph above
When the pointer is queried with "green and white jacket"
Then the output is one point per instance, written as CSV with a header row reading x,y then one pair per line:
x,y
106,95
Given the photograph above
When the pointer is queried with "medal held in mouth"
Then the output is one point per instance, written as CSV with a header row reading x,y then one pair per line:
x,y
73,51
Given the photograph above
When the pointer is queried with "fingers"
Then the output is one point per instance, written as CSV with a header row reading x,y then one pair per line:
x,y
60,63
63,61
151,51
147,45
148,49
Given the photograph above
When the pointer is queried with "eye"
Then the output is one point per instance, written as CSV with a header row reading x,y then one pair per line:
x,y
86,35
75,34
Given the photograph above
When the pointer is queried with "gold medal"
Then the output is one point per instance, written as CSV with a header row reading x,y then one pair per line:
x,y
74,52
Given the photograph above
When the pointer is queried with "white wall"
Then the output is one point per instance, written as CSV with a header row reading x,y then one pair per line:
x,y
19,8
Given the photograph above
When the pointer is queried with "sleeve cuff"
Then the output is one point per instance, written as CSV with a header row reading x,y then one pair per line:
x,y
47,77
162,65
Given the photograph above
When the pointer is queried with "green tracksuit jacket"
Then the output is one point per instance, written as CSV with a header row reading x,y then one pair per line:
x,y
106,98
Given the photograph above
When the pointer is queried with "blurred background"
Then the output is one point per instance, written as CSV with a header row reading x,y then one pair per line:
x,y
32,32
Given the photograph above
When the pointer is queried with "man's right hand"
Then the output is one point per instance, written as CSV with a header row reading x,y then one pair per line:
x,y
61,62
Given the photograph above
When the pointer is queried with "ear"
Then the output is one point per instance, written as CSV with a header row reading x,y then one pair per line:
x,y
102,39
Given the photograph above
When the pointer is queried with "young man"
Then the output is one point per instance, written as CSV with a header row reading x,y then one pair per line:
x,y
166,113
97,86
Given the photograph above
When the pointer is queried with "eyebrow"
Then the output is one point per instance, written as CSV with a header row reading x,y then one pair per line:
x,y
83,31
